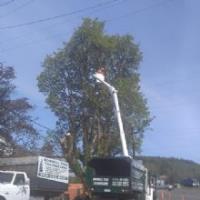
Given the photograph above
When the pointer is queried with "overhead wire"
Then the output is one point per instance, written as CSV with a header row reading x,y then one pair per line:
x,y
72,13
57,23
57,16
94,10
17,8
40,125
157,4
39,41
35,42
6,3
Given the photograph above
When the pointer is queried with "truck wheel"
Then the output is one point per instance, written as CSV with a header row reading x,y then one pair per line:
x,y
2,198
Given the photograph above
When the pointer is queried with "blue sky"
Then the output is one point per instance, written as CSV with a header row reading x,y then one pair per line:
x,y
168,34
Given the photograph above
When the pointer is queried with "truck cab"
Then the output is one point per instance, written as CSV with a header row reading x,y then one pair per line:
x,y
14,185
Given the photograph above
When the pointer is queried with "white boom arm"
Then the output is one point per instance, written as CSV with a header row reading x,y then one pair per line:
x,y
113,91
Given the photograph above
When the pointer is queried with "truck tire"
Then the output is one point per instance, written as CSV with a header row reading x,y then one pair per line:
x,y
2,198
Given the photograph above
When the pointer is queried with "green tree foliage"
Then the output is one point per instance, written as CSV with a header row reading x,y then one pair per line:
x,y
15,123
83,107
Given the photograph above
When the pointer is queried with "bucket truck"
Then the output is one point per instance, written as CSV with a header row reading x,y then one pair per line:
x,y
119,177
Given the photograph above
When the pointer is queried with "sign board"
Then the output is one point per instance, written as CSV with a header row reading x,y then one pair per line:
x,y
53,169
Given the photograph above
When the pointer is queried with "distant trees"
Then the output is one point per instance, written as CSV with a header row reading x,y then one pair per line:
x,y
175,169
15,122
84,109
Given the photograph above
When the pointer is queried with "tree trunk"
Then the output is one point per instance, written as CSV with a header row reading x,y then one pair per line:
x,y
71,157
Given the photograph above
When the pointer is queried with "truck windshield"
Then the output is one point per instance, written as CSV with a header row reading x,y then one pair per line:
x,y
5,177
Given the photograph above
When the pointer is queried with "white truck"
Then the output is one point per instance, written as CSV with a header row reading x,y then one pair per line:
x,y
14,185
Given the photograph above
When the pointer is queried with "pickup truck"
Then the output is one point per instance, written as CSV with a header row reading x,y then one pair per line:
x,y
14,185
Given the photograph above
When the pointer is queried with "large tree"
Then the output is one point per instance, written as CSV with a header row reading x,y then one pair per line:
x,y
83,107
15,123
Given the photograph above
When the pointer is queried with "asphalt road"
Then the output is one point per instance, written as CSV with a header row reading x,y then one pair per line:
x,y
180,194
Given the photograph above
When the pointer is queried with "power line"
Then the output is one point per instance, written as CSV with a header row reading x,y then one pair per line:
x,y
107,20
135,12
54,24
40,125
140,10
6,3
33,42
17,8
57,16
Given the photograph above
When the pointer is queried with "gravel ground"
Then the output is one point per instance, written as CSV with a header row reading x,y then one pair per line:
x,y
180,194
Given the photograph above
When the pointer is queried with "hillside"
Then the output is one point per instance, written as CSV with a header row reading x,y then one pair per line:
x,y
175,169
